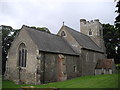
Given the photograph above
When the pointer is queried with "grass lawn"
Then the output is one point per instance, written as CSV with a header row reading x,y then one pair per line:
x,y
0,82
98,81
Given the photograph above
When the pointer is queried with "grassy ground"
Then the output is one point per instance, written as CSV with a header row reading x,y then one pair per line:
x,y
98,81
0,82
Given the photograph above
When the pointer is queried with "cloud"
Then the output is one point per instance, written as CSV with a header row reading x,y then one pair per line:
x,y
48,1
51,13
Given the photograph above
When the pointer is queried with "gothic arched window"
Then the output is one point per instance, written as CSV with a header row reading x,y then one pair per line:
x,y
90,32
22,55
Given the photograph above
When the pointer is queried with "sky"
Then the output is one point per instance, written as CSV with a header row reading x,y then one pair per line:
x,y
52,13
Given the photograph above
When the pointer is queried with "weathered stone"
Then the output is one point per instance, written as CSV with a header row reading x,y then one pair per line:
x,y
43,65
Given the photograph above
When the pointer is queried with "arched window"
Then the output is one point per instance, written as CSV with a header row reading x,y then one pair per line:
x,y
63,33
75,68
22,55
90,32
87,57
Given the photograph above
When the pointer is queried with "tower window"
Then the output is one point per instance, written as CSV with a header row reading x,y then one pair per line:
x,y
90,32
22,55
63,33
100,33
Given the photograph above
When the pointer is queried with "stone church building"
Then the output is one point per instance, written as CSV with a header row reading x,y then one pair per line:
x,y
37,57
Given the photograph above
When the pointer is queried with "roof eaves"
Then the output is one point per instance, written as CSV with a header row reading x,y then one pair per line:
x,y
59,52
93,50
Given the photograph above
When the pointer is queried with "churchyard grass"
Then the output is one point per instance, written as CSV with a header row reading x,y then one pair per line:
x,y
98,81
0,82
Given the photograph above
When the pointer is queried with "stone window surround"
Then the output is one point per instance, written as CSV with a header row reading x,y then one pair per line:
x,y
75,68
23,56
90,33
63,32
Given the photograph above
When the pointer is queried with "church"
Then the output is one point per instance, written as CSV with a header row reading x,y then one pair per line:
x,y
37,57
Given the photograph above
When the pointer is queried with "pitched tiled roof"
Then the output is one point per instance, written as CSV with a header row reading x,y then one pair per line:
x,y
104,63
84,40
49,42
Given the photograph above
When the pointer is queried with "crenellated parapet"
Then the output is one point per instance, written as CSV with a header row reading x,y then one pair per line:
x,y
95,21
94,30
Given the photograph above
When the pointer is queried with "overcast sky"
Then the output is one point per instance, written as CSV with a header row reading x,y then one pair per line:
x,y
51,13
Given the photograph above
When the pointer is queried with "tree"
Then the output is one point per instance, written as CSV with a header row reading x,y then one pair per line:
x,y
117,26
8,35
0,50
117,19
44,29
111,39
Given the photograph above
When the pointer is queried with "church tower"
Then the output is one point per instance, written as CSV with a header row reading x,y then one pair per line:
x,y
94,30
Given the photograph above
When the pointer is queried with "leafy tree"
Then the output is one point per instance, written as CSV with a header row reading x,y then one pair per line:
x,y
117,26
8,35
44,29
0,50
117,19
111,39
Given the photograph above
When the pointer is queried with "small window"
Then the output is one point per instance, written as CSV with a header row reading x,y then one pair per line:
x,y
63,33
75,68
100,33
64,73
87,57
90,32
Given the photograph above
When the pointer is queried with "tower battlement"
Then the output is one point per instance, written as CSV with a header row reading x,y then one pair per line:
x,y
93,29
94,26
83,21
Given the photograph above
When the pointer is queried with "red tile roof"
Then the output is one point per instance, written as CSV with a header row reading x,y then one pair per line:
x,y
104,63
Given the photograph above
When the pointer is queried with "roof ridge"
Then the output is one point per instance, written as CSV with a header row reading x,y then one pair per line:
x,y
77,31
82,34
33,28
40,31
51,42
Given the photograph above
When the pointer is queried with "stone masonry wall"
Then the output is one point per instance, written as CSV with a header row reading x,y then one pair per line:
x,y
89,60
27,74
97,31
